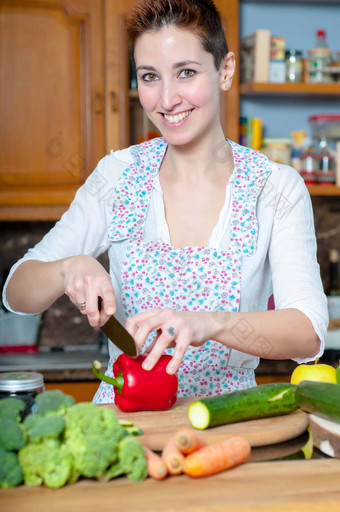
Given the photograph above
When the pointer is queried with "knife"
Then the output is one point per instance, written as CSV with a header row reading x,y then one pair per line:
x,y
118,334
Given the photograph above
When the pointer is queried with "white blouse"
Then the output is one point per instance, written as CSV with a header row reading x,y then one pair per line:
x,y
284,262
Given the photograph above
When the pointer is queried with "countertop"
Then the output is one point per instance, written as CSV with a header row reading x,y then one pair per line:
x,y
280,486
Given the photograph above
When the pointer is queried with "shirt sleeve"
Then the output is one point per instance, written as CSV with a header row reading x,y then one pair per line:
x,y
292,255
83,227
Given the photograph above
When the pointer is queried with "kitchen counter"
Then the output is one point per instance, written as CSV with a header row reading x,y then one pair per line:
x,y
281,486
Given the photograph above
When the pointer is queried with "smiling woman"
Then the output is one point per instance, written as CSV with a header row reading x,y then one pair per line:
x,y
199,230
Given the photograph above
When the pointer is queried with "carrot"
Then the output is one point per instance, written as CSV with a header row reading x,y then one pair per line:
x,y
172,458
217,457
155,464
188,441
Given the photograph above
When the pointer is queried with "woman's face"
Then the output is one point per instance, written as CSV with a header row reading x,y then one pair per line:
x,y
178,84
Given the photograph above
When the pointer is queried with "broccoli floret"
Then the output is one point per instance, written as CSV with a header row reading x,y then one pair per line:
x,y
49,427
10,408
10,470
12,436
132,458
91,435
31,420
54,402
47,463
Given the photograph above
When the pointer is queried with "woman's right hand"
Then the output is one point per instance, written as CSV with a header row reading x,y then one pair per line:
x,y
85,281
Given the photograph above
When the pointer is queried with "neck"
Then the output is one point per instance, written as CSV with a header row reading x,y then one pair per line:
x,y
199,160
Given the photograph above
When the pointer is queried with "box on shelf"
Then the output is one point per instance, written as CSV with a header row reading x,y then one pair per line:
x,y
255,55
277,64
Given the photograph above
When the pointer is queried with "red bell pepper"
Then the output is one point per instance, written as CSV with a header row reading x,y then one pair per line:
x,y
137,389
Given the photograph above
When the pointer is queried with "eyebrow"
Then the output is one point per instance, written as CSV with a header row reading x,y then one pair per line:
x,y
175,66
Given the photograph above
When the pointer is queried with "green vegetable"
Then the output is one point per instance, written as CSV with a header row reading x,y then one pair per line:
x,y
92,434
10,408
64,442
257,402
12,436
48,427
131,461
53,402
10,470
320,398
47,463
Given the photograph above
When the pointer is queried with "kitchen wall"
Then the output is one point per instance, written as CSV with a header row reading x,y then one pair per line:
x,y
63,325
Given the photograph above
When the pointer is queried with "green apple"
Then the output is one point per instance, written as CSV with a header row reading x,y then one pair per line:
x,y
316,372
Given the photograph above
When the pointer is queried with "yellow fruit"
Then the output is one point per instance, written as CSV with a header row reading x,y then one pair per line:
x,y
316,372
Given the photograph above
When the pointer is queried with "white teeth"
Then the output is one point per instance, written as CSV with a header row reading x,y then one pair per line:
x,y
177,117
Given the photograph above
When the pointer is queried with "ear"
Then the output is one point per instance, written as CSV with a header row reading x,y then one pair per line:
x,y
227,70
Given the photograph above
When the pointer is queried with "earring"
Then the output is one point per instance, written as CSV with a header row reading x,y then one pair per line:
x,y
227,86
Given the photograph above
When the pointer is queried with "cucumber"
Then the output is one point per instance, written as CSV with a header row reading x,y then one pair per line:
x,y
321,398
248,404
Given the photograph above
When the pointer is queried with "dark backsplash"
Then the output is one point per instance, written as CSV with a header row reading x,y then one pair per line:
x,y
62,324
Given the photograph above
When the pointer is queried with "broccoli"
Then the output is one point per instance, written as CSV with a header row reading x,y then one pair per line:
x,y
49,427
10,408
47,463
12,436
54,402
91,435
132,458
10,470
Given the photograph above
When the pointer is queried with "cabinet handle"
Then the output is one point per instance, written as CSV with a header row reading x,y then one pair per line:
x,y
98,103
114,102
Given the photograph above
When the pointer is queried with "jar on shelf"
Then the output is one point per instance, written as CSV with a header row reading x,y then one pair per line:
x,y
293,65
277,149
309,167
320,60
23,385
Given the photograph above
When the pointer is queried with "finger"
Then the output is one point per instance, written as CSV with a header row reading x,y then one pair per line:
x,y
132,322
182,344
80,303
108,302
163,342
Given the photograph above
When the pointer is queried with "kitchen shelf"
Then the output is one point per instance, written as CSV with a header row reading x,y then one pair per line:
x,y
297,88
323,190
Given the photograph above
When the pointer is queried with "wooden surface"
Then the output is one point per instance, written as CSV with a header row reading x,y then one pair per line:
x,y
158,427
289,486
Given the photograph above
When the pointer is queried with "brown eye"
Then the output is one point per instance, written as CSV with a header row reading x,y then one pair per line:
x,y
149,77
187,73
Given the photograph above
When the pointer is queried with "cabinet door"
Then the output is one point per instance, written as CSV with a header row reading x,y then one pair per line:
x,y
124,118
52,108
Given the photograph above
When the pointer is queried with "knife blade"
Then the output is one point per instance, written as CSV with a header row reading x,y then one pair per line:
x,y
118,334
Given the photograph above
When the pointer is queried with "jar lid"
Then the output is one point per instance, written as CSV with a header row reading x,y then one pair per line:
x,y
298,53
21,381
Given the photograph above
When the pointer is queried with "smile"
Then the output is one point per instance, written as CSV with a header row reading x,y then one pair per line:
x,y
173,119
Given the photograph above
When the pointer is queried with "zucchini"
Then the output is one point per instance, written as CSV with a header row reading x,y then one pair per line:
x,y
320,398
247,404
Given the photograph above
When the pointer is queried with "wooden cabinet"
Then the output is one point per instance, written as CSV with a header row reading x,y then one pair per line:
x,y
64,85
52,103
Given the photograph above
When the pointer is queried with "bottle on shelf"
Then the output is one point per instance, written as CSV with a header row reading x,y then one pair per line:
x,y
321,39
333,293
320,58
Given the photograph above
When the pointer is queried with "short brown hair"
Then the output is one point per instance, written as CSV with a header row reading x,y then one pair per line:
x,y
199,16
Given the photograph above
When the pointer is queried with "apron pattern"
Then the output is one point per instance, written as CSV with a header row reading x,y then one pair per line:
x,y
155,274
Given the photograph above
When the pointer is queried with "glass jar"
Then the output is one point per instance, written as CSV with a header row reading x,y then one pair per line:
x,y
277,149
319,60
23,385
293,65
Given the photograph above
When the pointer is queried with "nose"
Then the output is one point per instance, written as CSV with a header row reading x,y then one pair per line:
x,y
170,96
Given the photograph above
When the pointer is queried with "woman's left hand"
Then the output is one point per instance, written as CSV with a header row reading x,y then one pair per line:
x,y
177,329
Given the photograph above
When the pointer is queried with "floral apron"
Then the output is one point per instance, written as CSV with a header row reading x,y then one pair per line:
x,y
155,274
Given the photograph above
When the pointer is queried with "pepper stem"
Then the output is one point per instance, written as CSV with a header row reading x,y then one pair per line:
x,y
116,382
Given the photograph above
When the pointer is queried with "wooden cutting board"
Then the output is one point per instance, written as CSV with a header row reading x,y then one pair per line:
x,y
159,426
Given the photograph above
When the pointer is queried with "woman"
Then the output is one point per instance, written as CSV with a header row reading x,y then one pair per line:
x,y
196,243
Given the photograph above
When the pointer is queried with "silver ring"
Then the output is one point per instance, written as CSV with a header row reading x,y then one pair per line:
x,y
81,305
171,331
